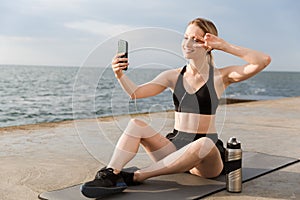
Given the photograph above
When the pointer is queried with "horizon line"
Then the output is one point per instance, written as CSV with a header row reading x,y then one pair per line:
x,y
78,66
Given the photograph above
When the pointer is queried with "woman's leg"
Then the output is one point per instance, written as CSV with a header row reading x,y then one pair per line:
x,y
211,166
111,179
136,133
201,157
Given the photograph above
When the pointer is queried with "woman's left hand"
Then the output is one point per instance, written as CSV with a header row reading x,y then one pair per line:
x,y
213,42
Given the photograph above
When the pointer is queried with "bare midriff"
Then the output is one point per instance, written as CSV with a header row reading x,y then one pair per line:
x,y
194,123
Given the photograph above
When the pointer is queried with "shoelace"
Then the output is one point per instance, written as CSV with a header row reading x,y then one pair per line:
x,y
103,173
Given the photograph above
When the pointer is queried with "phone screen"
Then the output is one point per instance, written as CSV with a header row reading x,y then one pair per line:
x,y
123,48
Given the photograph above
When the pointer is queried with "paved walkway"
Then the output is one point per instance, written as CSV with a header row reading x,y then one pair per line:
x,y
38,158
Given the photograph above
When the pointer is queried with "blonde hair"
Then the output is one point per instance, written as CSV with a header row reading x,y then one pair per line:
x,y
206,26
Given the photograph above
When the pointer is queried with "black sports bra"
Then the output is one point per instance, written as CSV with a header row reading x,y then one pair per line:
x,y
204,101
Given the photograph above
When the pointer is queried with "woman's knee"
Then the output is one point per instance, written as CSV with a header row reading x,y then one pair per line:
x,y
138,128
138,122
210,164
202,147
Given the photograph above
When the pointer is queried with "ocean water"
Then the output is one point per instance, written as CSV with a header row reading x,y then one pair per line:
x,y
34,94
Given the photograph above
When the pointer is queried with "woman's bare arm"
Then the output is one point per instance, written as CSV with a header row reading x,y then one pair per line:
x,y
255,61
157,85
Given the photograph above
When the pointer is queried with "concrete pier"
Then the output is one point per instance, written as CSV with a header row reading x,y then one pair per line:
x,y
44,157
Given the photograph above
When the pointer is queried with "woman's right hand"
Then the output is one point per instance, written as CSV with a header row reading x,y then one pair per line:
x,y
118,64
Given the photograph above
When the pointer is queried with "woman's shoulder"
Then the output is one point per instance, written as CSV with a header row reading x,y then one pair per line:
x,y
218,74
168,77
175,71
172,76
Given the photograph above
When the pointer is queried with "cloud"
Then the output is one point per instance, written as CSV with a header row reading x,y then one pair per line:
x,y
12,39
98,28
43,51
18,49
51,29
34,7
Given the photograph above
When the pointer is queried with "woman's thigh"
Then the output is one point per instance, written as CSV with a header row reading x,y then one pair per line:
x,y
157,145
156,142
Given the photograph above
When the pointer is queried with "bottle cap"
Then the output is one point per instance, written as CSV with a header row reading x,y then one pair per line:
x,y
233,143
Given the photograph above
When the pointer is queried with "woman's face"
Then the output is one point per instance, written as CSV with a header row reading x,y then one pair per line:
x,y
192,42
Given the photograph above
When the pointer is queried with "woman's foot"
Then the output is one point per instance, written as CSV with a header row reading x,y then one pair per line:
x,y
105,183
128,177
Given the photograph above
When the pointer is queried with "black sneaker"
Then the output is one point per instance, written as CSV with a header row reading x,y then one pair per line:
x,y
105,183
128,176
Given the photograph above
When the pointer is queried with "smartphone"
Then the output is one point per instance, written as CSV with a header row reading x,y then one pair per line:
x,y
123,48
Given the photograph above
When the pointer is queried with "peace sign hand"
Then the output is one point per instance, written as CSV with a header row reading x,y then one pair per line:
x,y
213,42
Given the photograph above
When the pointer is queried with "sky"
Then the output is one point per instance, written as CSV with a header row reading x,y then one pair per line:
x,y
65,32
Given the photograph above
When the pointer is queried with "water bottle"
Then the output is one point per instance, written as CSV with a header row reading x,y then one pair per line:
x,y
233,162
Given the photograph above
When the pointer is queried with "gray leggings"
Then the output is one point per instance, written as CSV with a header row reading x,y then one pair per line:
x,y
180,139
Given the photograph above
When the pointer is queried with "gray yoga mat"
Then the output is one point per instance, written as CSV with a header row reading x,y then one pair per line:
x,y
183,186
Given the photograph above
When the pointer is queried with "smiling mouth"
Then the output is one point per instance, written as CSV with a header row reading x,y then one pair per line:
x,y
188,50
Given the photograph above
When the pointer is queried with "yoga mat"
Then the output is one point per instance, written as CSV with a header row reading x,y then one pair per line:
x,y
183,185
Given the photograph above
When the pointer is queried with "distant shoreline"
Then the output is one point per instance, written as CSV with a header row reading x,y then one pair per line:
x,y
75,66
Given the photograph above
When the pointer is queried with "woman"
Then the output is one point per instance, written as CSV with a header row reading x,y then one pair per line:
x,y
197,87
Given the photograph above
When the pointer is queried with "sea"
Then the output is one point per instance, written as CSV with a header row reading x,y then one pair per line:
x,y
37,94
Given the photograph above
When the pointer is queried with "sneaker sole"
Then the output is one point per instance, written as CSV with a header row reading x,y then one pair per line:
x,y
99,192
